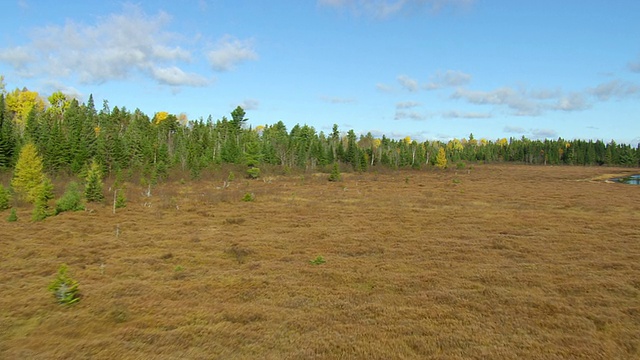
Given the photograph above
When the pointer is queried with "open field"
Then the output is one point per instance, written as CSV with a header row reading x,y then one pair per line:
x,y
493,262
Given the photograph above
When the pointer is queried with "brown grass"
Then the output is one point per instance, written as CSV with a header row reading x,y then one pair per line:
x,y
494,262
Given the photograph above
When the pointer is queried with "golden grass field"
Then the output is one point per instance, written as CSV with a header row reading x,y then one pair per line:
x,y
488,262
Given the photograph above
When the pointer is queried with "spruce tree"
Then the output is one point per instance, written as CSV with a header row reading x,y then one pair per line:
x,y
93,185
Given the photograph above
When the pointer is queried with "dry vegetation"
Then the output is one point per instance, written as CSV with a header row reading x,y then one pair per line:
x,y
495,262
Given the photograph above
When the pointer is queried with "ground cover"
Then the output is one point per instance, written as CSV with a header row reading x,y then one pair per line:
x,y
489,261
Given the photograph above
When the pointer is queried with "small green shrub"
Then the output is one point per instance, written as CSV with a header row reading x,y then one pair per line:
x,y
253,172
335,173
121,199
460,165
248,197
64,288
71,200
12,216
319,260
231,176
5,198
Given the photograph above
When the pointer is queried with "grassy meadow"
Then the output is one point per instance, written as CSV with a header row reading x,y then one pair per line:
x,y
486,262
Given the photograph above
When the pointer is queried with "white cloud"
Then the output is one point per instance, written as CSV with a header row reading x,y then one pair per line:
x,y
514,130
17,56
448,78
386,8
250,104
230,52
614,89
384,87
544,133
571,102
513,99
117,46
407,104
411,115
174,76
465,115
408,83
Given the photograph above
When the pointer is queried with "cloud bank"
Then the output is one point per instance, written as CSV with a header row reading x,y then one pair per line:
x,y
386,8
117,47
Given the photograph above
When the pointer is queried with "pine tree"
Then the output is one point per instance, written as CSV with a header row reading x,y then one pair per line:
x,y
5,198
93,186
335,173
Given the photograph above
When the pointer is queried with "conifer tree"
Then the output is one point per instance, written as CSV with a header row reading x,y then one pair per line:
x,y
28,177
93,185
441,159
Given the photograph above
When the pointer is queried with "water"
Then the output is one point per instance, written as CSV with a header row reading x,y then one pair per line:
x,y
633,180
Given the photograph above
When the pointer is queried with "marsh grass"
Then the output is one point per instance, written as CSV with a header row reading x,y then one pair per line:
x,y
528,262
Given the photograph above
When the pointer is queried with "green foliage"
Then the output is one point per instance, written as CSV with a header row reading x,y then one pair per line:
x,y
335,173
64,288
39,211
248,197
253,172
71,200
5,198
121,199
93,186
319,260
231,176
12,216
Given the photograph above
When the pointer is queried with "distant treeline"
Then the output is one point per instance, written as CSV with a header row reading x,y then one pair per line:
x,y
69,135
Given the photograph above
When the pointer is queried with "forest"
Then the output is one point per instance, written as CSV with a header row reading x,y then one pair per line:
x,y
69,135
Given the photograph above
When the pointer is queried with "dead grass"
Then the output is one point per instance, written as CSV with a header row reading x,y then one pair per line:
x,y
506,262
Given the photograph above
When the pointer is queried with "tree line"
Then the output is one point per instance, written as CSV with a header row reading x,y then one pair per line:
x,y
70,136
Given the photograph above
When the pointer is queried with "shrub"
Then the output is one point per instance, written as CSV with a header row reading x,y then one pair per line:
x,y
12,216
335,173
248,197
253,172
319,260
121,199
71,200
5,198
64,288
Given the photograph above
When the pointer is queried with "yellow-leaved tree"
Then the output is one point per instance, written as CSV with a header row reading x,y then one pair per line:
x,y
441,159
29,179
21,102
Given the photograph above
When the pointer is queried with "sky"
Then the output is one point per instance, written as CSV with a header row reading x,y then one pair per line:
x,y
428,69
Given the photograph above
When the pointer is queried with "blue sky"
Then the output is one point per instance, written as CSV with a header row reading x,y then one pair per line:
x,y
429,69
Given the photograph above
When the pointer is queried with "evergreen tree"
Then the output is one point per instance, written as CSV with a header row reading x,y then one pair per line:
x,y
8,137
93,186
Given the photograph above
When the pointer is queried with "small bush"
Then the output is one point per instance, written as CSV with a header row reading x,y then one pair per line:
x,y
121,199
71,200
335,173
5,198
248,197
253,172
319,260
12,216
64,288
